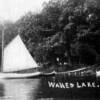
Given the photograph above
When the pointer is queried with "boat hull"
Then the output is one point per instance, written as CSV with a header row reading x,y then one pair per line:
x,y
18,75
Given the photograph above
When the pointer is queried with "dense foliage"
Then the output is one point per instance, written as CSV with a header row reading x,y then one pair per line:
x,y
65,32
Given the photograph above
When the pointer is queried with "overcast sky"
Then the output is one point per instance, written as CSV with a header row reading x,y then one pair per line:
x,y
13,9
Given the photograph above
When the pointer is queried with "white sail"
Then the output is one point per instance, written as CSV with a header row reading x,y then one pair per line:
x,y
17,57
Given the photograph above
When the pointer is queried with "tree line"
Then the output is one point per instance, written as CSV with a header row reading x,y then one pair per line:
x,y
65,32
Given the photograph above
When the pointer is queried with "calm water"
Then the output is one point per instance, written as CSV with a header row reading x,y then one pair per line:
x,y
47,89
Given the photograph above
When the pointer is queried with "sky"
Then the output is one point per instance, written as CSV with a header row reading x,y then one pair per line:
x,y
13,9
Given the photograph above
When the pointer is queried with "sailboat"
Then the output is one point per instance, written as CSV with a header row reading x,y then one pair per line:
x,y
16,58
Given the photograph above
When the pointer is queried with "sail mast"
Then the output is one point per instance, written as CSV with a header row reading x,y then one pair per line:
x,y
2,49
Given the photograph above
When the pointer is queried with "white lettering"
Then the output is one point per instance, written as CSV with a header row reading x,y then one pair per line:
x,y
61,85
83,84
71,85
78,85
57,85
66,85
89,84
93,84
51,84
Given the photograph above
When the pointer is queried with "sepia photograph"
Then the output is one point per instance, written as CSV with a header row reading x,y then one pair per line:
x,y
49,49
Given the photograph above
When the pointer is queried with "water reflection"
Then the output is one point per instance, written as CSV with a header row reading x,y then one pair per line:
x,y
18,89
40,89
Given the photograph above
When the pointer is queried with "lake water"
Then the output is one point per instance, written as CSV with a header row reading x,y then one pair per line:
x,y
48,88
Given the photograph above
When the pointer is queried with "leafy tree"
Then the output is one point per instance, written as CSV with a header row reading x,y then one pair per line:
x,y
65,31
